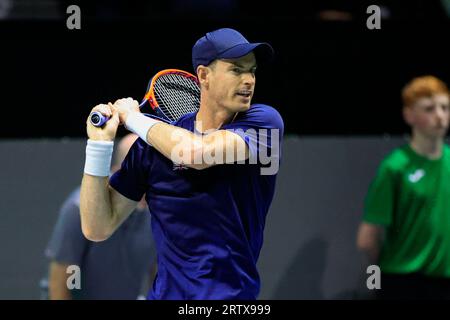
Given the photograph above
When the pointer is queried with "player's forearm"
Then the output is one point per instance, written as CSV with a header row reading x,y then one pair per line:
x,y
183,147
97,219
178,145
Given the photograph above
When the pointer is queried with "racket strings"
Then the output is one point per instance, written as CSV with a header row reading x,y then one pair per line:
x,y
177,95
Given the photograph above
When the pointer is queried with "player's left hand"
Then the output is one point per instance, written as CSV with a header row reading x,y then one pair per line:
x,y
124,107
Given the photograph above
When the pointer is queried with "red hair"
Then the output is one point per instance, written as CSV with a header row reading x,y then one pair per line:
x,y
421,87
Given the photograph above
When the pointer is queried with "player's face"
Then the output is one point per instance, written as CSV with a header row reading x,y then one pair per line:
x,y
232,82
430,116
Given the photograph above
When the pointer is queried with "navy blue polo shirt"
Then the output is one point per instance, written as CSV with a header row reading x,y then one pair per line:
x,y
207,224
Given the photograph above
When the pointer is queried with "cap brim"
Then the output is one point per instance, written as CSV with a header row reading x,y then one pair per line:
x,y
263,51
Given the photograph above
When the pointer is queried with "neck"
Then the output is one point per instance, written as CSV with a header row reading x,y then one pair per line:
x,y
212,116
426,146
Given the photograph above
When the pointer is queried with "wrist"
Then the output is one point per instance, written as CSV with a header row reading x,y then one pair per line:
x,y
101,138
98,157
139,124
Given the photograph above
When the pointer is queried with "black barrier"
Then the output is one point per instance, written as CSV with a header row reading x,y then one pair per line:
x,y
327,78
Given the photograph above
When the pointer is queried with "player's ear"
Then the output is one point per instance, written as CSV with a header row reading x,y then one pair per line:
x,y
408,115
202,74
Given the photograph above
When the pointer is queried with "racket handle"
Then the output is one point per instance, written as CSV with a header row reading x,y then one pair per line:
x,y
97,119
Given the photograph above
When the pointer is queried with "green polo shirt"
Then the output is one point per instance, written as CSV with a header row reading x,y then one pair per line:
x,y
410,196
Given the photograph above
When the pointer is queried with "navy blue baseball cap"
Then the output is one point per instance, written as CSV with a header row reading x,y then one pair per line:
x,y
226,43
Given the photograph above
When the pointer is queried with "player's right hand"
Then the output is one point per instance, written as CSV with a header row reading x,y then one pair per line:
x,y
109,129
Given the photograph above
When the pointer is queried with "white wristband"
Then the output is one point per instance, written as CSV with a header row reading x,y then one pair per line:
x,y
140,124
98,158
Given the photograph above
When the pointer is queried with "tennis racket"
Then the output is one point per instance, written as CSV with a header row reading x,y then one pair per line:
x,y
171,93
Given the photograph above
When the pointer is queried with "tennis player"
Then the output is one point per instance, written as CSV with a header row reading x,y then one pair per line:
x,y
203,176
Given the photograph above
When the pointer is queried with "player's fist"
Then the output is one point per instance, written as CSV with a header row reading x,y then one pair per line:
x,y
124,107
109,129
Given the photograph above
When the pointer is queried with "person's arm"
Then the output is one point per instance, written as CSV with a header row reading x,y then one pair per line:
x,y
102,208
57,282
184,147
378,211
180,145
369,240
195,151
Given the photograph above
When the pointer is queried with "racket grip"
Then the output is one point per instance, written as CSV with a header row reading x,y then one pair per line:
x,y
97,119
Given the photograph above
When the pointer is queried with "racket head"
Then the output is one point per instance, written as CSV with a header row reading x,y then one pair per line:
x,y
172,93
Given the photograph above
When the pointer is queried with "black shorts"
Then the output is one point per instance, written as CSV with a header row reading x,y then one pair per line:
x,y
413,286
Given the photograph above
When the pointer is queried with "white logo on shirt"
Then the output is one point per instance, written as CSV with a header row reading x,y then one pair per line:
x,y
416,176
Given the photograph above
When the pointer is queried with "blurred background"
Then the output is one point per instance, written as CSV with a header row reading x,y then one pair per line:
x,y
336,83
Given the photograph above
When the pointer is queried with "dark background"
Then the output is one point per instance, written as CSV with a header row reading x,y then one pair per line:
x,y
330,77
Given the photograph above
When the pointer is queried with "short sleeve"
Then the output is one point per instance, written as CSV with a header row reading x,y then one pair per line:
x,y
131,179
379,203
67,243
262,129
